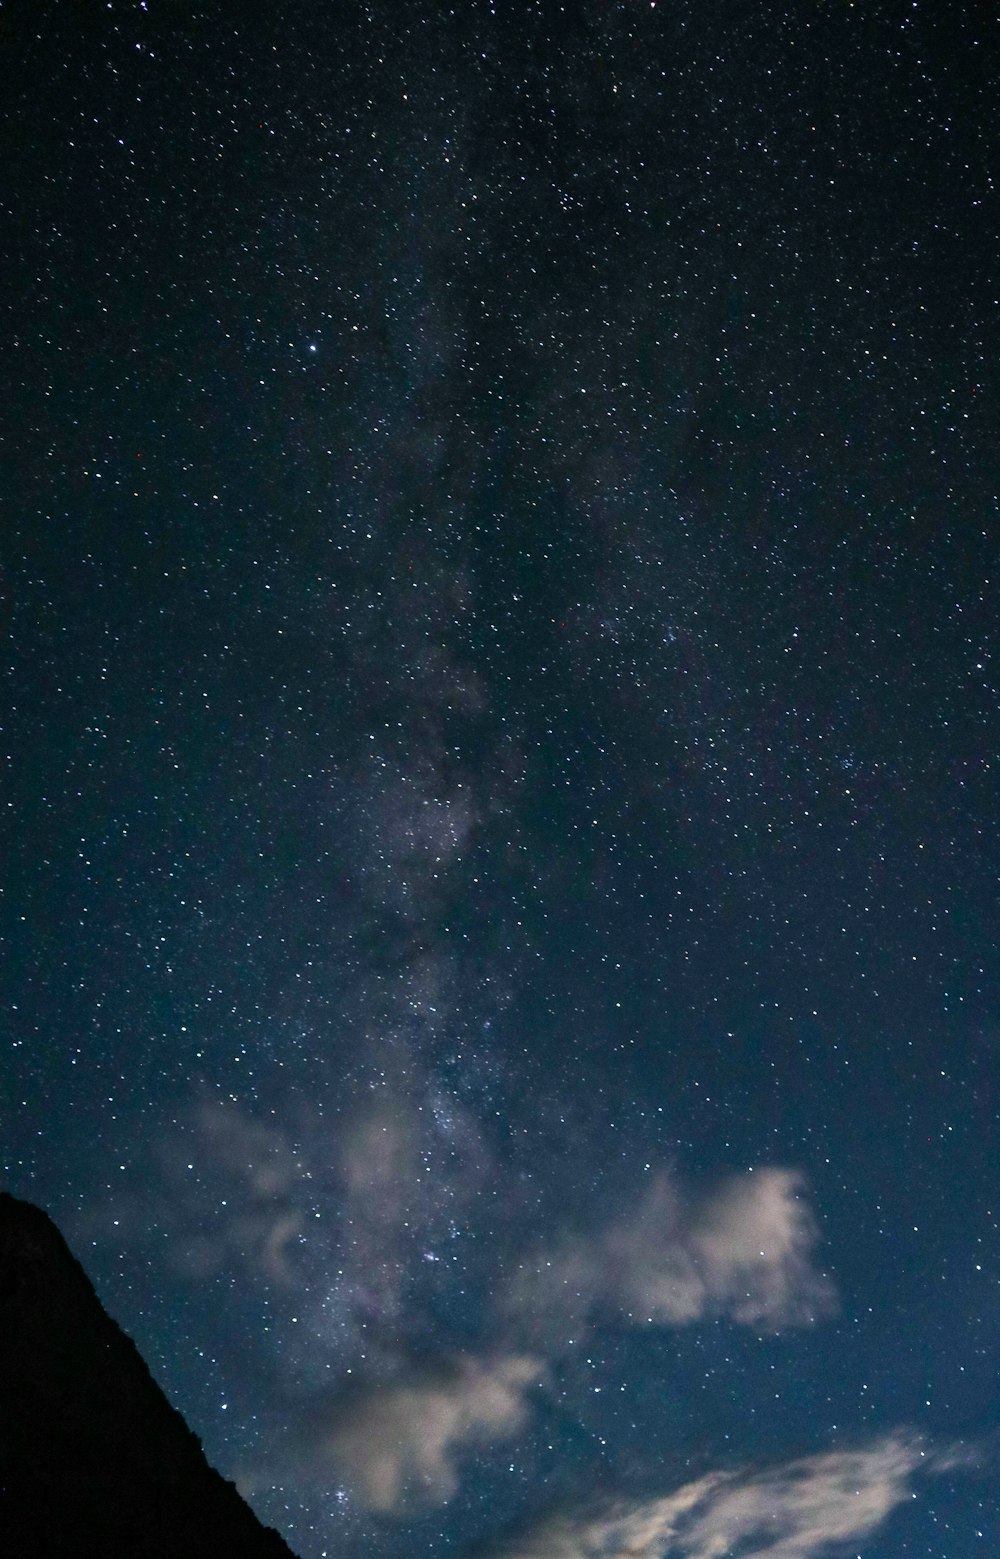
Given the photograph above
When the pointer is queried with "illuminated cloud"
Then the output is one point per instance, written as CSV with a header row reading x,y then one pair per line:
x,y
799,1510
744,1250
398,1445
347,1220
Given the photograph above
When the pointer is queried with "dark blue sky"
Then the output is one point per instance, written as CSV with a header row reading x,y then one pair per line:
x,y
500,975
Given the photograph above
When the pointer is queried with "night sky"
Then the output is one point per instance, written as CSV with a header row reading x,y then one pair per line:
x,y
499,983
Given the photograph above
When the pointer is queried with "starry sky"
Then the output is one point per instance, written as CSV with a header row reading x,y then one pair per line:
x,y
500,892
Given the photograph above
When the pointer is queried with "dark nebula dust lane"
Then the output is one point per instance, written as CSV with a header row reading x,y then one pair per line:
x,y
499,970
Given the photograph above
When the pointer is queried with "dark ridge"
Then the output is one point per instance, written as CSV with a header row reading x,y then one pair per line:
x,y
93,1459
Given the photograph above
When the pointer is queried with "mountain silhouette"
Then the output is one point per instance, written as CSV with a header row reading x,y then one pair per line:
x,y
93,1459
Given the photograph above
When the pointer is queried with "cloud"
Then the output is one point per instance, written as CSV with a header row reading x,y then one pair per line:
x,y
372,1186
379,1157
744,1250
231,1186
398,1445
799,1510
351,1221
256,1153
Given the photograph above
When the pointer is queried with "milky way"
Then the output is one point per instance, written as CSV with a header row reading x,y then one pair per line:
x,y
502,890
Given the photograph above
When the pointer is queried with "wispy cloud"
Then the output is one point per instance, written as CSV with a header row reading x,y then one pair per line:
x,y
232,1194
800,1509
351,1222
336,1213
398,1445
744,1250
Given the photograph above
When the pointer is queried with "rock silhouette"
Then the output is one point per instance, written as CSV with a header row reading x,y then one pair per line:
x,y
93,1459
